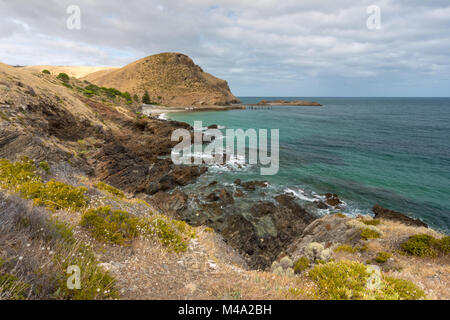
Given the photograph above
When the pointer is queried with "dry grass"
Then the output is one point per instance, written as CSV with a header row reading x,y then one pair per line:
x,y
72,71
430,274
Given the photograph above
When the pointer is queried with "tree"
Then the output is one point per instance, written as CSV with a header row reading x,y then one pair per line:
x,y
146,98
64,77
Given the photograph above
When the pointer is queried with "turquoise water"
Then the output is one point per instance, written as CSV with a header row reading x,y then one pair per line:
x,y
390,151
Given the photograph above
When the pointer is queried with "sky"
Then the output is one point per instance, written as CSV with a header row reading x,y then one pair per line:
x,y
262,48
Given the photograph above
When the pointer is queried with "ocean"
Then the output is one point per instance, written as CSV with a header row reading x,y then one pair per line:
x,y
394,152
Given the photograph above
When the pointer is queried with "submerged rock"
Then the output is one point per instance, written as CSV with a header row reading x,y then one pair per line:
x,y
252,185
212,197
226,197
332,199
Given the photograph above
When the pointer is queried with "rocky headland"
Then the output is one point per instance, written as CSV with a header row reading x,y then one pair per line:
x,y
287,103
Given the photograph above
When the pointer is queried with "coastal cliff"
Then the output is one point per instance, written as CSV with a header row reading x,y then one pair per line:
x,y
82,173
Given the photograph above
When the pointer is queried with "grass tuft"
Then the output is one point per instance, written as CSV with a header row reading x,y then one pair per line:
x,y
110,189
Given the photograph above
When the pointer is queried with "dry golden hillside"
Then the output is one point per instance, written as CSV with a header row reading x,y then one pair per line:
x,y
170,78
72,71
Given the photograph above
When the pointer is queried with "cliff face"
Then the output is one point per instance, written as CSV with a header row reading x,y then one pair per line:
x,y
171,79
50,120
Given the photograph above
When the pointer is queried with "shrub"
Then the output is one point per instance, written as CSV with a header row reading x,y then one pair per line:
x,y
119,227
111,92
444,245
114,226
44,166
423,245
368,233
67,85
382,257
340,215
106,187
301,265
127,97
46,71
92,87
21,177
56,195
371,222
169,234
345,248
340,280
136,98
88,93
399,289
64,77
349,280
17,173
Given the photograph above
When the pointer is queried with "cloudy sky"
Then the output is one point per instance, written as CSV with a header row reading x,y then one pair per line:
x,y
263,48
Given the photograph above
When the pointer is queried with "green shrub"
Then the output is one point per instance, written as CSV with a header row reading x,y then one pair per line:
x,y
114,226
372,222
367,233
21,177
92,87
17,173
345,248
382,257
44,166
301,265
399,289
56,195
119,227
127,97
111,92
348,280
88,93
64,77
444,245
106,187
423,245
169,234
46,71
363,248
340,280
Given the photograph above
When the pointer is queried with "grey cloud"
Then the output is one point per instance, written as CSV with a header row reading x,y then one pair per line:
x,y
302,44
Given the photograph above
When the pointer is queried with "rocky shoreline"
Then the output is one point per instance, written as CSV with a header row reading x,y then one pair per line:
x,y
263,230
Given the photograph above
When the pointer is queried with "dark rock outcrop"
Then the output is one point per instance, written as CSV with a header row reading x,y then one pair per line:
x,y
386,214
252,185
332,199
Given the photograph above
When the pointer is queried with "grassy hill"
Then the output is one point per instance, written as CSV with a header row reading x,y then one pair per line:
x,y
170,78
